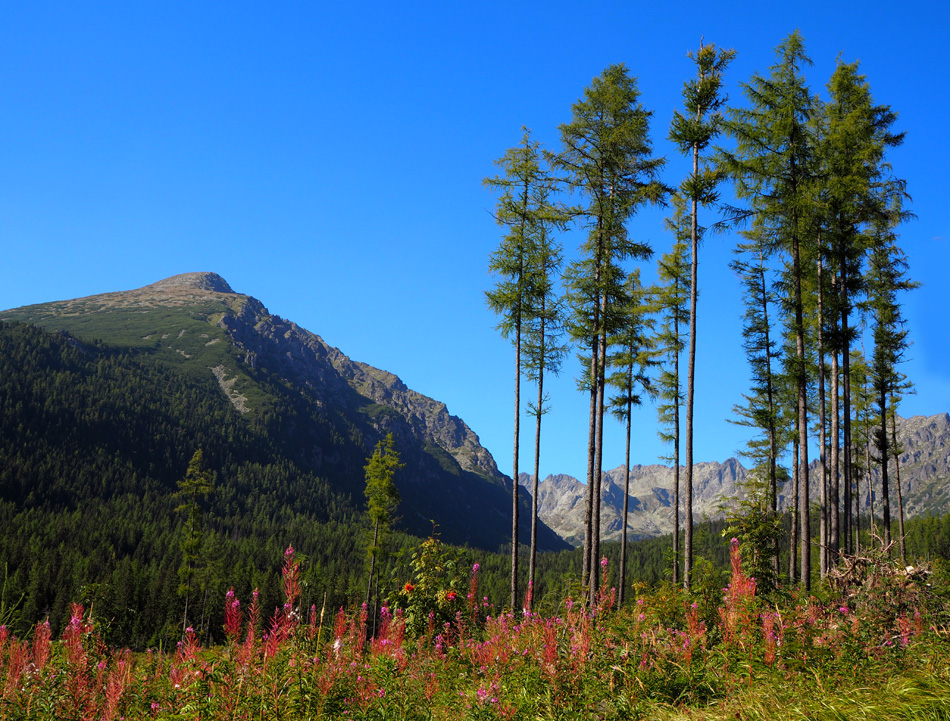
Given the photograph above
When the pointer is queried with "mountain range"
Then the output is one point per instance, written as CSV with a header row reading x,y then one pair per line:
x,y
924,473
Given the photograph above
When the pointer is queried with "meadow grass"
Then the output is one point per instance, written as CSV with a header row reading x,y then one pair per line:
x,y
878,651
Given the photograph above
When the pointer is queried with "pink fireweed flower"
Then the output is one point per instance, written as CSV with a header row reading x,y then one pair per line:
x,y
232,616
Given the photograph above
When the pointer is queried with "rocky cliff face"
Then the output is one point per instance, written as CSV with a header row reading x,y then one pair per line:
x,y
562,499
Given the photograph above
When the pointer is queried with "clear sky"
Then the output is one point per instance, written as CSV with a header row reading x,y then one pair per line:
x,y
327,158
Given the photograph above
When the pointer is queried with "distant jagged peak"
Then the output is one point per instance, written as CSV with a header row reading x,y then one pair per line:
x,y
193,281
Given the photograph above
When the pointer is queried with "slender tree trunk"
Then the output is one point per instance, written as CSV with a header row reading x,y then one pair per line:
x,y
803,513
626,500
834,537
885,490
897,481
773,440
793,533
589,536
372,563
514,476
676,460
691,380
598,467
822,467
591,452
867,474
537,460
846,442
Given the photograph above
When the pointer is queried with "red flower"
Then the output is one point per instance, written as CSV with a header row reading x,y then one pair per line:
x,y
409,587
450,595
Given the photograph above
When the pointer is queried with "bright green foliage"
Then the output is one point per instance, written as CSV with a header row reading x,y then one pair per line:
x,y
198,483
607,158
437,589
382,497
701,123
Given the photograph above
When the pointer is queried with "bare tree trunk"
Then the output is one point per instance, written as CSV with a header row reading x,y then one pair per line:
x,y
885,490
867,470
626,499
372,563
537,460
676,464
823,523
846,442
598,469
803,514
514,474
793,532
691,372
897,472
833,490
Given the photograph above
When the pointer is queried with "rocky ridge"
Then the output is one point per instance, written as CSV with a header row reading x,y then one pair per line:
x,y
924,471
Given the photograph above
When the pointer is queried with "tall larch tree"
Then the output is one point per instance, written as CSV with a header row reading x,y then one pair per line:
x,y
856,182
772,166
692,131
518,212
543,331
607,158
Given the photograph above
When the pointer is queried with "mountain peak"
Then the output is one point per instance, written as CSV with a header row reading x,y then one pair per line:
x,y
193,281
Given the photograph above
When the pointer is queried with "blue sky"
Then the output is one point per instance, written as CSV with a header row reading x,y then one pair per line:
x,y
327,158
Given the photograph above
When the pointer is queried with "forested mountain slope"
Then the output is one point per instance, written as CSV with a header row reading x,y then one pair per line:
x,y
103,401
